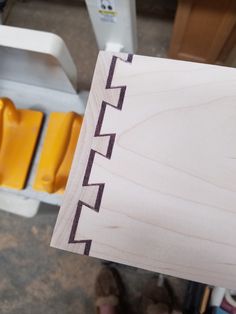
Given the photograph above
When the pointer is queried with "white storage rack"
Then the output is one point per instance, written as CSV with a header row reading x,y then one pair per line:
x,y
36,72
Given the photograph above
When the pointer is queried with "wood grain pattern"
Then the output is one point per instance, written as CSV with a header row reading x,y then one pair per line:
x,y
153,181
202,29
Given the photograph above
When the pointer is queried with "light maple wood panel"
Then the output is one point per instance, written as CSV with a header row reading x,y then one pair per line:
x,y
153,181
202,29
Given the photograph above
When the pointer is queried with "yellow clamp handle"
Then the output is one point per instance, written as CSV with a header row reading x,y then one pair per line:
x,y
60,146
6,105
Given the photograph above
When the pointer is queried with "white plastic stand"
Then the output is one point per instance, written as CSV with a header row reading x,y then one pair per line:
x,y
37,72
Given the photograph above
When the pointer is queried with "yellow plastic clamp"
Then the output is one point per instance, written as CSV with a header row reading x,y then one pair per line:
x,y
57,152
19,130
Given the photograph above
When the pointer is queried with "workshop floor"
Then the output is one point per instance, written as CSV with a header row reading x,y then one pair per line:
x,y
35,278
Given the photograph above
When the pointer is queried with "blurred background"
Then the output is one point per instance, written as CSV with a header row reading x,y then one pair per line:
x,y
203,31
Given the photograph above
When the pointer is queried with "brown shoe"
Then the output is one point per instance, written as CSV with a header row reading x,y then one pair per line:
x,y
107,289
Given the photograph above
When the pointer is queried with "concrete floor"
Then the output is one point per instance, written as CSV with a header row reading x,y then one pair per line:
x,y
35,278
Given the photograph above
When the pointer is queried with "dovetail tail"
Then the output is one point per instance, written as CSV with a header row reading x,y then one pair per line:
x,y
92,154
